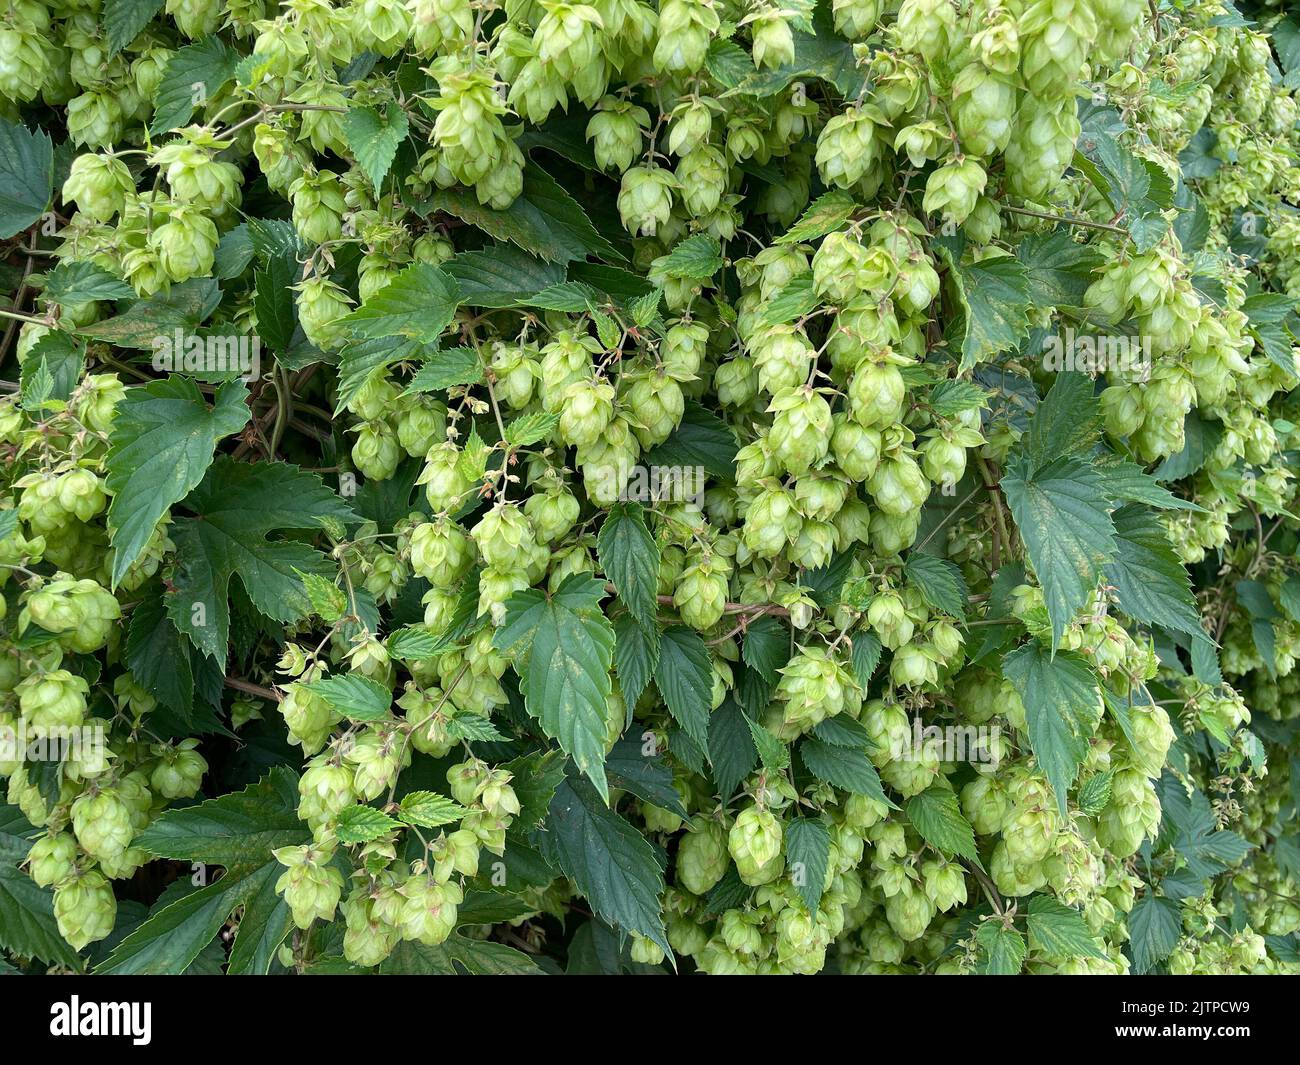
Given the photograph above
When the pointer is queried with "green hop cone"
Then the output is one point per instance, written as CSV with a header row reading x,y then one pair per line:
x,y
428,913
180,770
645,199
324,791
440,552
101,821
376,450
502,535
310,885
754,843
186,244
813,687
701,593
586,410
52,858
702,856
801,430
445,482
84,908
616,132
99,185
53,700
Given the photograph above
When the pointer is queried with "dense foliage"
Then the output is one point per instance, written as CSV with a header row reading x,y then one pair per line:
x,y
741,487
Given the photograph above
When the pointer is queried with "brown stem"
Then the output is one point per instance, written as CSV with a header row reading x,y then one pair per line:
x,y
249,688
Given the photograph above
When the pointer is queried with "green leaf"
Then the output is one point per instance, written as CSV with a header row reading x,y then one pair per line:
x,y
728,63
996,297
59,361
1155,925
684,678
697,258
428,809
1289,597
629,556
936,815
766,647
647,776
1286,41
807,855
356,697
328,600
1066,422
843,731
124,19
273,303
238,832
457,956
536,777
1094,793
418,303
793,301
472,727
26,176
71,283
1127,482
162,441
1136,189
37,387
866,656
609,861
544,220
237,506
415,643
939,581
363,824
774,754
952,397
264,924
823,56
501,275
1150,581
700,439
176,933
1062,708
1062,513
1057,930
158,656
645,309
182,307
844,768
193,76
732,752
275,238
826,214
1058,268
447,369
1200,438
1001,949
374,139
27,925
235,830
562,648
529,429
636,655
